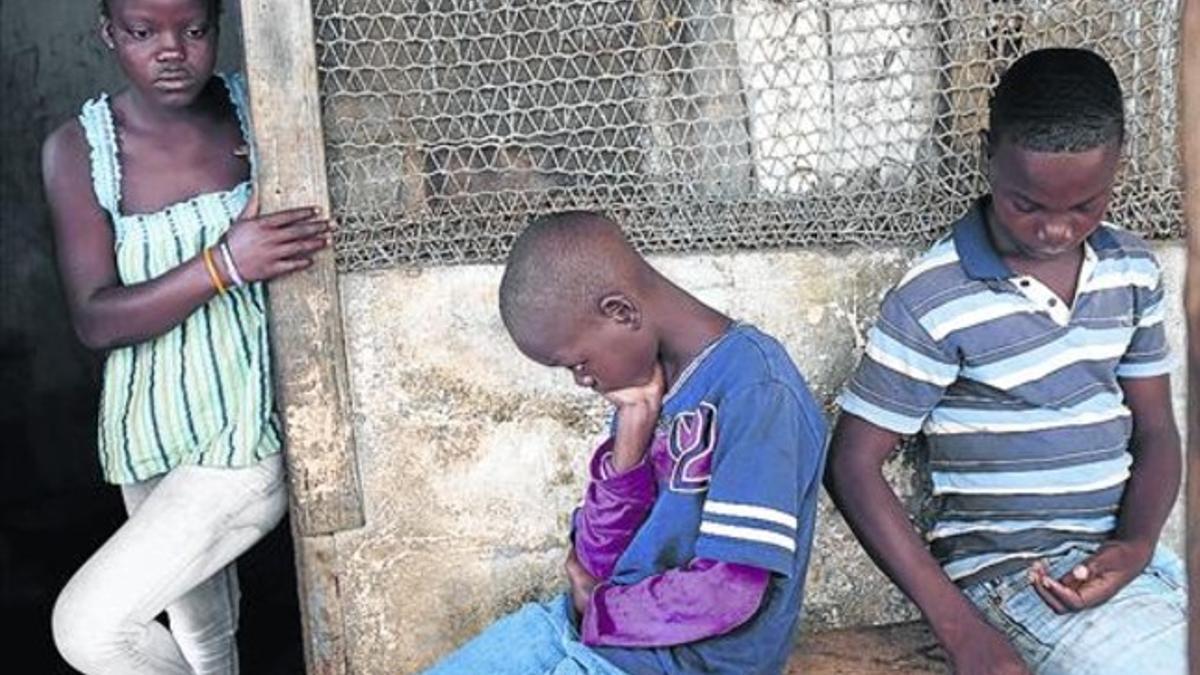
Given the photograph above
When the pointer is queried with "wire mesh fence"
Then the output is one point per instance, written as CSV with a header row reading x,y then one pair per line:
x,y
701,125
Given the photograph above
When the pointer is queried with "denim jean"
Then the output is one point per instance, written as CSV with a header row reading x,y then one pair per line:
x,y
1141,629
538,639
175,552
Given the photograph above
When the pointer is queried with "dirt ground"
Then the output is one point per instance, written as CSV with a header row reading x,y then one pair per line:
x,y
880,650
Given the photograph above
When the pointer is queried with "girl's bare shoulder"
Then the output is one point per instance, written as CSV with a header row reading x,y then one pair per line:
x,y
67,173
65,149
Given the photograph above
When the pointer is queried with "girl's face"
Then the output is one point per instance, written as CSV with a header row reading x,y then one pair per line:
x,y
166,48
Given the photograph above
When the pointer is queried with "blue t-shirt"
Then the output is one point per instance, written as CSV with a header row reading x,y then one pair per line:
x,y
747,444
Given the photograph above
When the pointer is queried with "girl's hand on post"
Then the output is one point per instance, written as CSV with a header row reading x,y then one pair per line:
x,y
267,246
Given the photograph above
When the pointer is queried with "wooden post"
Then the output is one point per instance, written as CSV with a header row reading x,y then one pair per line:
x,y
306,326
1189,142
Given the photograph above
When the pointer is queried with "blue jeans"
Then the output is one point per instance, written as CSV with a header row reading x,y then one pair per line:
x,y
1142,629
538,639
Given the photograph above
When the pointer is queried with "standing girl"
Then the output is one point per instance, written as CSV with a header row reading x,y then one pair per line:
x,y
162,256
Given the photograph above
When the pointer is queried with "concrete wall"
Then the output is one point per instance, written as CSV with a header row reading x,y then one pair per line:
x,y
472,457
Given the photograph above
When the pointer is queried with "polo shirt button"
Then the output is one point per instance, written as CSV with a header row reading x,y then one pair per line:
x,y
1024,283
1052,302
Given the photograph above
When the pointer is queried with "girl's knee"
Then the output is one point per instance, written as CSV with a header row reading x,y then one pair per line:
x,y
83,636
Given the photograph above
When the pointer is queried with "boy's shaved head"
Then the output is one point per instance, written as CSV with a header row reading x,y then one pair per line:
x,y
1057,100
561,266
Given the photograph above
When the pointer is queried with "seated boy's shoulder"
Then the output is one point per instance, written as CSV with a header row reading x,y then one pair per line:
x,y
757,360
755,351
1122,240
938,267
1127,255
752,379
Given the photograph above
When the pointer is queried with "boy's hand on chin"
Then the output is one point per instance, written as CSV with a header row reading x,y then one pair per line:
x,y
1093,581
637,414
646,396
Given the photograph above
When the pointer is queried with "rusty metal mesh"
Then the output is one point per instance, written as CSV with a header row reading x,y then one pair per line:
x,y
700,124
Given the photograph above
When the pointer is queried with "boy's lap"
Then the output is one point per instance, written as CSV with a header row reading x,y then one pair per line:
x,y
539,639
1143,626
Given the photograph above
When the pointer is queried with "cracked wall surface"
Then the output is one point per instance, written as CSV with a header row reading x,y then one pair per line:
x,y
472,456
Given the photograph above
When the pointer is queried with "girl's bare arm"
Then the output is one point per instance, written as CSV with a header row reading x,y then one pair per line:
x,y
106,313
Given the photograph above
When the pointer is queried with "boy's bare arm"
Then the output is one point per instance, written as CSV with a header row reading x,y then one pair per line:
x,y
854,479
1149,494
1154,480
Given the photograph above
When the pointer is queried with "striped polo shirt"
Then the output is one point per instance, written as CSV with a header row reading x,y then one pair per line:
x,y
1018,395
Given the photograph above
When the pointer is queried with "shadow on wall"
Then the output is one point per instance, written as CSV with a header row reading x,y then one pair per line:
x,y
54,509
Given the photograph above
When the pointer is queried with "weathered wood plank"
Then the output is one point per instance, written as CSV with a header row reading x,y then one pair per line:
x,y
321,605
306,325
310,359
1189,140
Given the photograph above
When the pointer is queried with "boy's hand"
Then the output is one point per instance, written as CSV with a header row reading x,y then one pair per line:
x,y
985,651
637,415
1093,581
582,582
646,396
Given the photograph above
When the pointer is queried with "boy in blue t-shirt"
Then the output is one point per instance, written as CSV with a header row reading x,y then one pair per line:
x,y
690,549
1028,347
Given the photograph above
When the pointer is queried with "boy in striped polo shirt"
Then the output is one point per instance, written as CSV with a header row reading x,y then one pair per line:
x,y
690,548
1028,347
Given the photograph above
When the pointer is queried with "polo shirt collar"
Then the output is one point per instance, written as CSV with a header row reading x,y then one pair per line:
x,y
979,258
975,251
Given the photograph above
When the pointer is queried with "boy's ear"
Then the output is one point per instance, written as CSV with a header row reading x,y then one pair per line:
x,y
986,148
106,33
622,309
985,144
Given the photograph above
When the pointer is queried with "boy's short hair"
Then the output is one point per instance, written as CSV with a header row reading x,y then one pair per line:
x,y
1057,100
561,264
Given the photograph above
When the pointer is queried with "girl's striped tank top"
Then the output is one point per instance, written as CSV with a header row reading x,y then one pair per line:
x,y
200,393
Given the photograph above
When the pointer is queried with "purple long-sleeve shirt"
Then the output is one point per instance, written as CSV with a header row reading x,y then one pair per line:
x,y
701,599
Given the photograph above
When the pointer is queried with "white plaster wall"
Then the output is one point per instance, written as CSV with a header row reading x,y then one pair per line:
x,y
836,93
